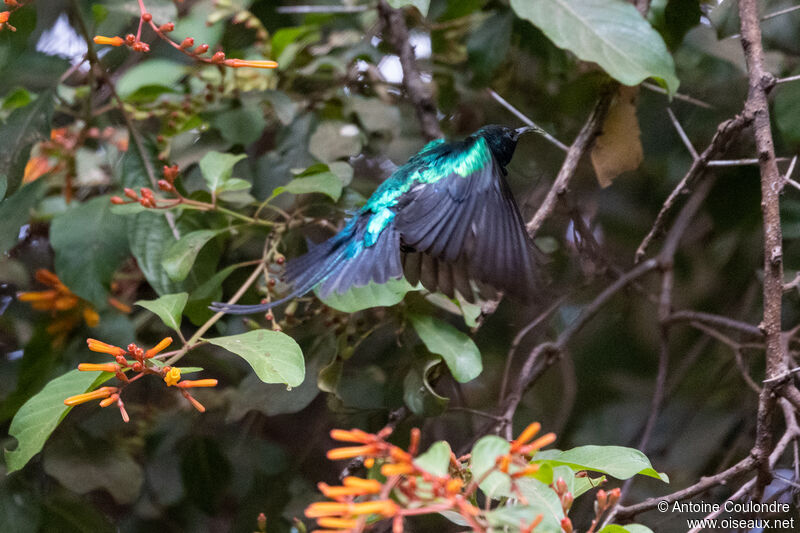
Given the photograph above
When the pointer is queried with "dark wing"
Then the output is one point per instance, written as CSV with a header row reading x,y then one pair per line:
x,y
462,228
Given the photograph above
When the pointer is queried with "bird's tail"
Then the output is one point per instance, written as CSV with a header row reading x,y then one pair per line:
x,y
335,265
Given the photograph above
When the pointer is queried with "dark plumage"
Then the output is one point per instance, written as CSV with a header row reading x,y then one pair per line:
x,y
446,219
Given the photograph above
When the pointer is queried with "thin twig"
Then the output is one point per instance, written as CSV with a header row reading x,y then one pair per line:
x,y
678,96
322,9
524,118
682,134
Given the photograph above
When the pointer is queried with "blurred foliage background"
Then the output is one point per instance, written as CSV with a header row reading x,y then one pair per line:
x,y
337,99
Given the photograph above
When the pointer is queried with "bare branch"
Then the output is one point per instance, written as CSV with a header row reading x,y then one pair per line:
x,y
682,134
396,33
524,118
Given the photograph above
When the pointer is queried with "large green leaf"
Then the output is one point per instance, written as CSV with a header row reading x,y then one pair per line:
x,y
610,33
39,416
169,308
371,295
23,128
617,461
456,348
15,211
179,258
275,356
150,235
89,242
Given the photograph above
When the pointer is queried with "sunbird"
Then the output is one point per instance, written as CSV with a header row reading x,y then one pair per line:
x,y
446,218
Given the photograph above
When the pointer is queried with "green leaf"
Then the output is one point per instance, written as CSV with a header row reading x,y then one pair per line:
x,y
489,43
324,182
484,454
217,168
422,5
23,128
179,258
418,394
458,350
372,295
39,416
89,243
15,211
617,461
610,33
282,105
147,80
542,500
436,460
150,235
275,356
169,308
509,518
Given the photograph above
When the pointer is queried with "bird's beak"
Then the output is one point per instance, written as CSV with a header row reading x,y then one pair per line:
x,y
526,129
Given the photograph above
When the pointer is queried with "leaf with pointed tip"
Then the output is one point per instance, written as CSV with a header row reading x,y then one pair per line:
x,y
458,351
275,356
169,308
24,127
39,416
179,258
610,33
217,168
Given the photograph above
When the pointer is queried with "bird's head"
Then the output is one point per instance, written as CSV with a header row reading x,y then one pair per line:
x,y
502,140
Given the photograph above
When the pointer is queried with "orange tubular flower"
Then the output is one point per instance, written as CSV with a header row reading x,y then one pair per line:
x,y
105,367
102,347
166,341
238,63
4,17
526,435
338,523
352,451
353,435
396,469
112,41
188,383
102,392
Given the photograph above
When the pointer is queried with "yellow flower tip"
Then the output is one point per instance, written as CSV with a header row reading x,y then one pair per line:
x,y
102,392
166,341
189,383
105,367
338,523
353,435
238,63
350,452
102,347
91,317
369,462
119,306
65,302
172,376
112,41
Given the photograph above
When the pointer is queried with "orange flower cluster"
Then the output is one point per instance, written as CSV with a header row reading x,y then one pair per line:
x,y
4,15
186,46
407,488
141,364
66,308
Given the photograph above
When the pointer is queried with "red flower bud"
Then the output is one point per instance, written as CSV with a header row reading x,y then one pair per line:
x,y
218,57
187,43
116,200
147,17
202,49
166,28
